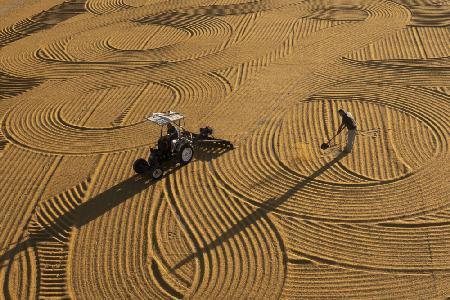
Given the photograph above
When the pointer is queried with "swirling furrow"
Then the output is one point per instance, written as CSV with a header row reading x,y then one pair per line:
x,y
196,96
9,35
56,51
373,141
436,16
273,216
113,104
428,13
183,37
3,144
286,79
240,74
441,89
234,8
221,229
154,98
100,7
72,29
55,135
244,170
41,21
68,134
396,72
338,12
211,62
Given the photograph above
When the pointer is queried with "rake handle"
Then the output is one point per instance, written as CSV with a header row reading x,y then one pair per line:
x,y
333,137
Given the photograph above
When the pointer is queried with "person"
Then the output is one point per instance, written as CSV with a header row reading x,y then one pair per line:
x,y
173,135
348,121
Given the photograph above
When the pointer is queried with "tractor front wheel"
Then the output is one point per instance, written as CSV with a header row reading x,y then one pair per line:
x,y
156,172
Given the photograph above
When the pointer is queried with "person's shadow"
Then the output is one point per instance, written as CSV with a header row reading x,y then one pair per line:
x,y
259,213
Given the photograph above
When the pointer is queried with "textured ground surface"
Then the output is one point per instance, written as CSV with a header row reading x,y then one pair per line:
x,y
274,218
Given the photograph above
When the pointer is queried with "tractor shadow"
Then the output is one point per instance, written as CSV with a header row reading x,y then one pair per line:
x,y
83,214
261,212
100,204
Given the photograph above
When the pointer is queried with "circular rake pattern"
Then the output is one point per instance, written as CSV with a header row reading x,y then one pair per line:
x,y
276,196
399,161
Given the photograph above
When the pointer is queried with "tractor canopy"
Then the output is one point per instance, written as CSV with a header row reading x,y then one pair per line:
x,y
163,118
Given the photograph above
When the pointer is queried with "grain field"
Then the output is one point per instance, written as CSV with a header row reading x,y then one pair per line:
x,y
274,216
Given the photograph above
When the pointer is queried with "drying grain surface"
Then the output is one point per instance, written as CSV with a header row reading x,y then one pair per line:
x,y
275,217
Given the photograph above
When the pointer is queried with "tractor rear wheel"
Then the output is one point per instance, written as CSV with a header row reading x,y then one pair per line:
x,y
185,154
140,166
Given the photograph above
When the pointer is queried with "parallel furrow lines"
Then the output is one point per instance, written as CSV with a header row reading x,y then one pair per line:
x,y
20,171
50,229
273,217
370,247
114,263
409,43
323,281
12,86
44,20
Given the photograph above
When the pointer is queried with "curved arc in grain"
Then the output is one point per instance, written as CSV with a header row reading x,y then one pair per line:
x,y
72,151
436,122
54,68
212,251
58,130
